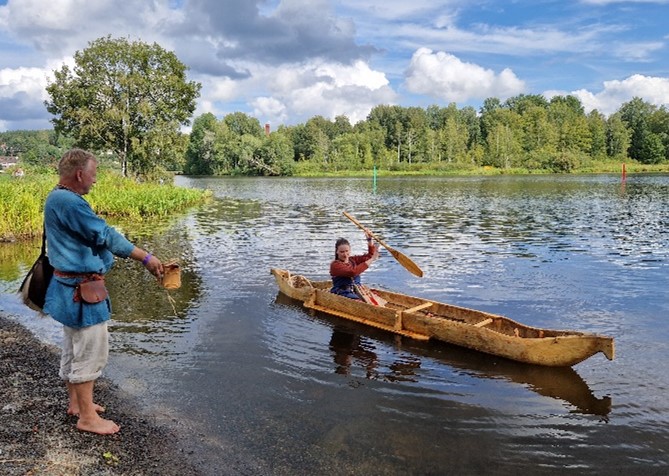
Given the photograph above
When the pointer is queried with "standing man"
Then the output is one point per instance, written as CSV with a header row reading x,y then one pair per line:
x,y
81,249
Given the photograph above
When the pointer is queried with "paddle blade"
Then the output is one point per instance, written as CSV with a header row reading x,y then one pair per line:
x,y
406,262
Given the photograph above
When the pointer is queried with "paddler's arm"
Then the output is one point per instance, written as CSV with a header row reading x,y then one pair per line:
x,y
150,262
372,249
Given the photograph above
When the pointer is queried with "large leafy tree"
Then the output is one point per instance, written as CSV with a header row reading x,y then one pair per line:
x,y
646,141
617,137
202,154
126,97
504,138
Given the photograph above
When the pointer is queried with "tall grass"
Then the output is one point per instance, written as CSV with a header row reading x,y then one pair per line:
x,y
21,205
118,197
22,201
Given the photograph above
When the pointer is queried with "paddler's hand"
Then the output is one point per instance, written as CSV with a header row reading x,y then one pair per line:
x,y
368,235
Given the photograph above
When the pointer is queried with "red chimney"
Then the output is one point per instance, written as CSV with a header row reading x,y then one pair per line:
x,y
267,129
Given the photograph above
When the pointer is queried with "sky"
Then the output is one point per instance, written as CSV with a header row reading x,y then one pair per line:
x,y
285,61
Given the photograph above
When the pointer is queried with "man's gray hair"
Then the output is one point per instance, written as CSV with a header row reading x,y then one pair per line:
x,y
73,160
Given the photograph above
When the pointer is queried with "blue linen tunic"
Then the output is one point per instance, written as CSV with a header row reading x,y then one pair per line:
x,y
78,241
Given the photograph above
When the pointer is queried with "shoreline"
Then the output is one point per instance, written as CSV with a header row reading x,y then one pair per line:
x,y
38,437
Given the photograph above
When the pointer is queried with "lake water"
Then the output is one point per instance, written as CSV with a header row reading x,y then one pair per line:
x,y
258,385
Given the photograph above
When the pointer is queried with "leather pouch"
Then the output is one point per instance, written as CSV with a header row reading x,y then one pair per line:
x,y
93,291
172,276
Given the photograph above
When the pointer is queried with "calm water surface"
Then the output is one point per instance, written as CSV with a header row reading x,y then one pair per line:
x,y
260,386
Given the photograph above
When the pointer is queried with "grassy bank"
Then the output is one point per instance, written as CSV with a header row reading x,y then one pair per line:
x,y
446,169
22,201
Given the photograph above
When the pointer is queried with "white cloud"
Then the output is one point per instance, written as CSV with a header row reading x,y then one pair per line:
x,y
62,26
638,51
30,80
651,89
330,89
292,93
22,92
443,76
271,109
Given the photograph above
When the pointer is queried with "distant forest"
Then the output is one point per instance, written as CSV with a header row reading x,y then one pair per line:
x,y
526,132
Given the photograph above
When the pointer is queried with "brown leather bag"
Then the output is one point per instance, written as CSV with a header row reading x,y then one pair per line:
x,y
34,286
93,291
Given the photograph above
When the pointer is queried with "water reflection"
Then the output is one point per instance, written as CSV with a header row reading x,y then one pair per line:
x,y
15,260
147,319
352,348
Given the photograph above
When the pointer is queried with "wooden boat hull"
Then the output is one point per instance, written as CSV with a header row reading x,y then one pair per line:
x,y
423,319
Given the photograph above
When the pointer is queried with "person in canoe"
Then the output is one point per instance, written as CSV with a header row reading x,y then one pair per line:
x,y
346,269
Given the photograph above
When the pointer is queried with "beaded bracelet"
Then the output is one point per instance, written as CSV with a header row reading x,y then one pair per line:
x,y
146,259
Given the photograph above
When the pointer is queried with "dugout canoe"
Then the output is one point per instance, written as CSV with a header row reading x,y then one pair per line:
x,y
349,344
424,319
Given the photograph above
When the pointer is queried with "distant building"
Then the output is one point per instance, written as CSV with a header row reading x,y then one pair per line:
x,y
7,161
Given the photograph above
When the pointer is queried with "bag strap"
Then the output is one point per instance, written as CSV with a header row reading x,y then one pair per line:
x,y
43,252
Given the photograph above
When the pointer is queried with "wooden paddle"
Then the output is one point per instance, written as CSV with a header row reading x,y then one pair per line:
x,y
401,258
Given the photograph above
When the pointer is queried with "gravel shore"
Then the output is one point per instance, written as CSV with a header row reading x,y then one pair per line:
x,y
38,437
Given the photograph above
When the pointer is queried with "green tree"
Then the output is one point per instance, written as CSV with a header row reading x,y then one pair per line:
x,y
469,118
320,132
574,139
389,119
646,145
240,123
504,138
617,137
415,126
659,124
487,116
310,142
342,125
201,153
372,143
597,126
453,140
652,148
126,97
523,102
435,117
538,132
276,155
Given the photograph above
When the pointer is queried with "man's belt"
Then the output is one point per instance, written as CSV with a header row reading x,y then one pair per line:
x,y
86,276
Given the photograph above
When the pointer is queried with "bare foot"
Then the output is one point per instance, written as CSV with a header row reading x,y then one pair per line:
x,y
75,410
98,425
